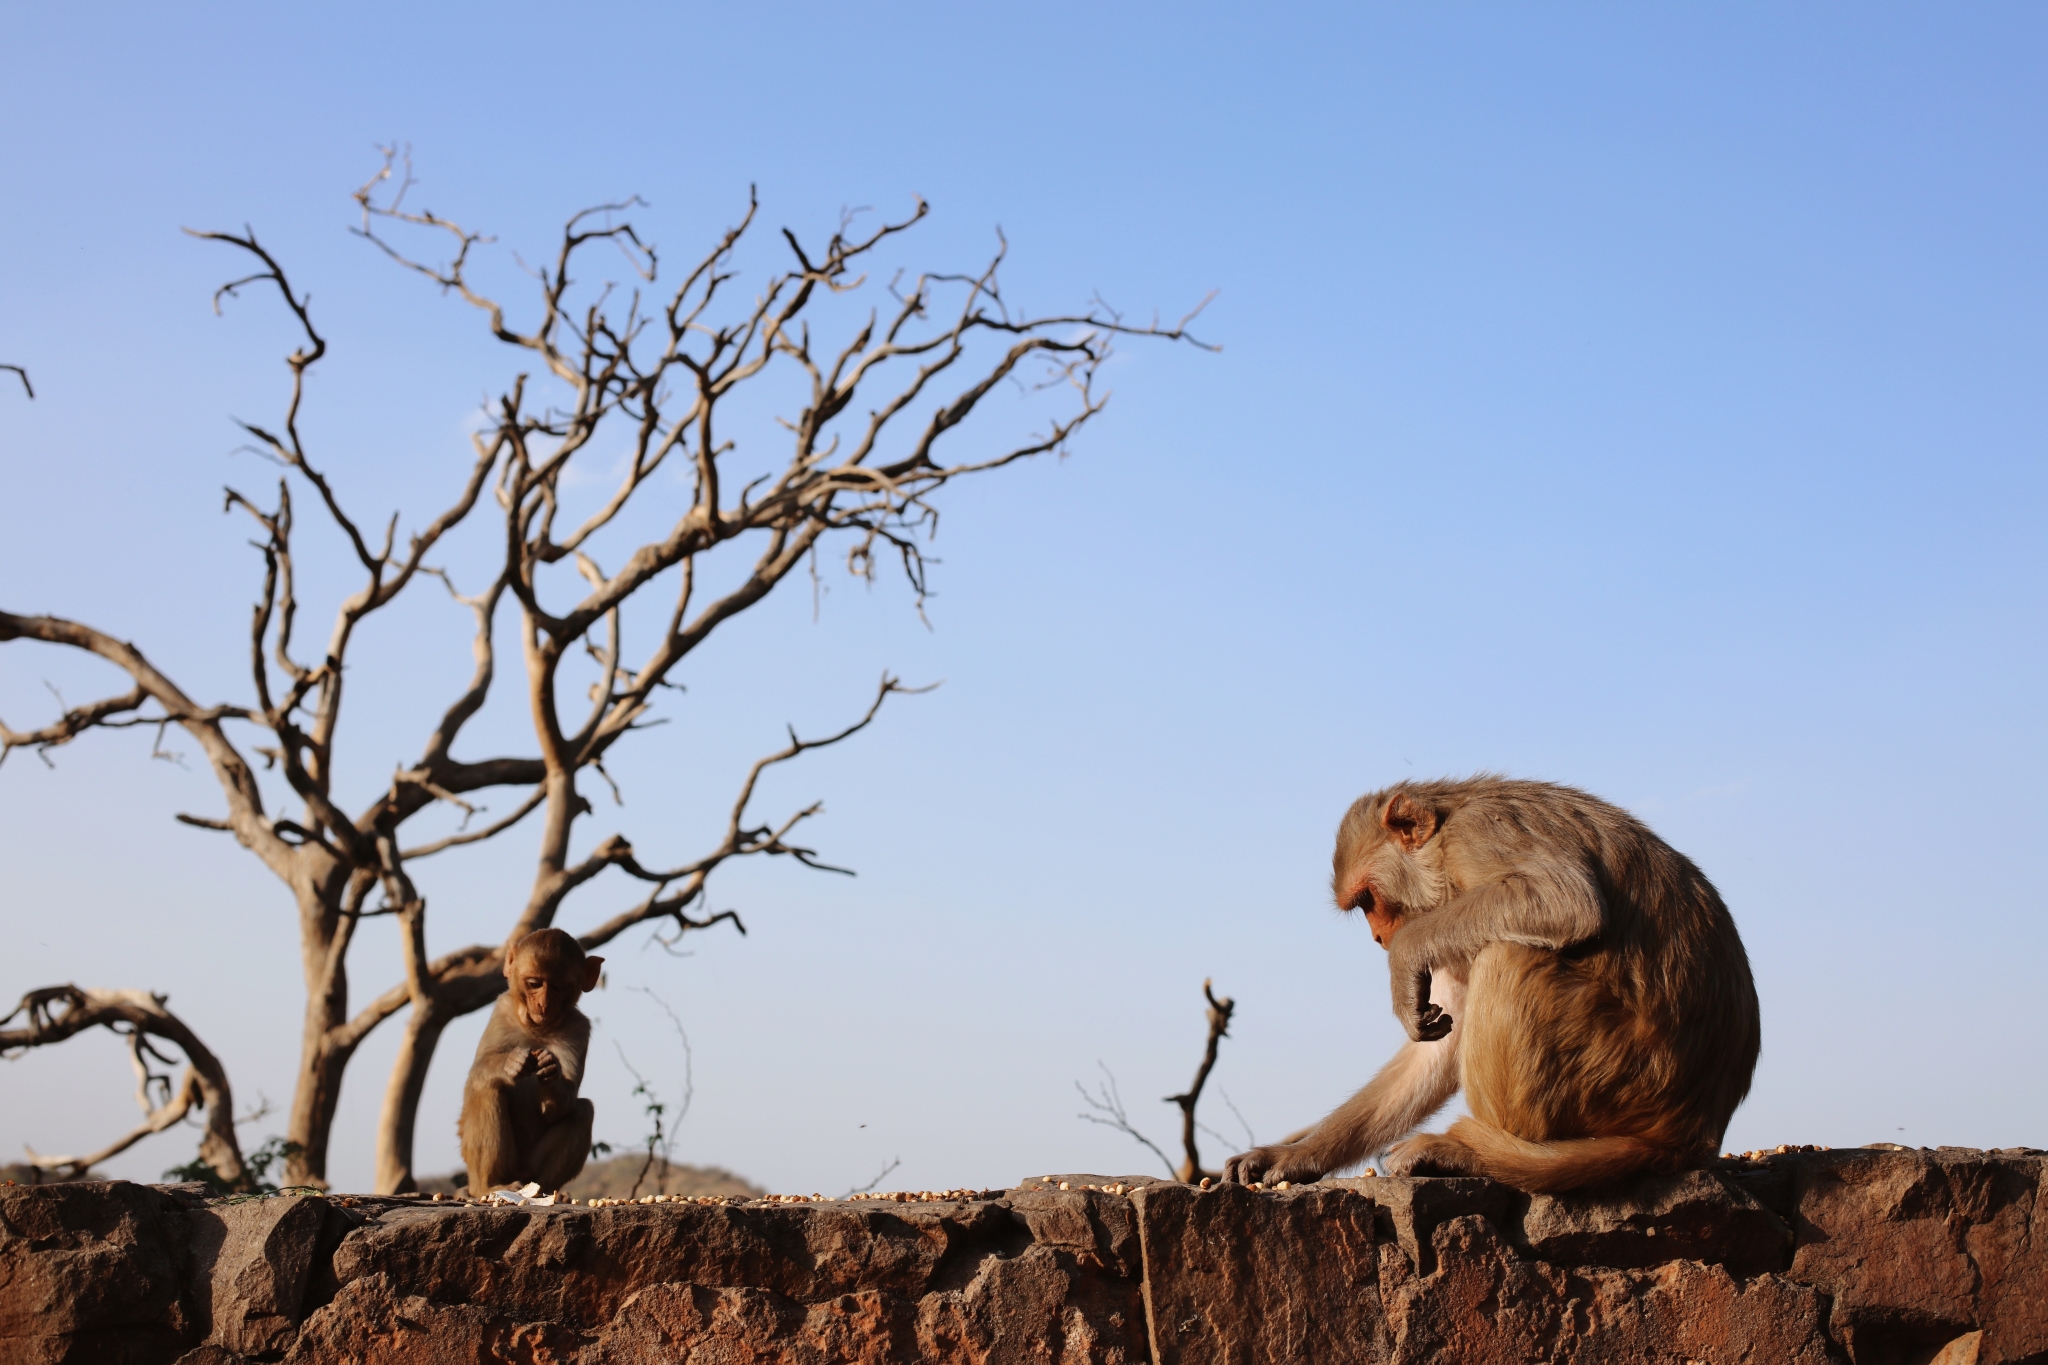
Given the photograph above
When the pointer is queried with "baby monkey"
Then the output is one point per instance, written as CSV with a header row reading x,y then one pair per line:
x,y
1575,975
521,1118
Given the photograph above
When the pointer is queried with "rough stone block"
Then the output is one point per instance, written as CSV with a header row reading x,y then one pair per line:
x,y
1048,1276
89,1272
1919,1248
1233,1275
1485,1305
1694,1215
692,1325
1413,1207
372,1321
251,1265
1899,1258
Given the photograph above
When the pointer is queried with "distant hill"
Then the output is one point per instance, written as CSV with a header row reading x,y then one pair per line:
x,y
613,1179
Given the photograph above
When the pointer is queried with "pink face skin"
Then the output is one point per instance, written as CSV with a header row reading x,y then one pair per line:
x,y
1381,917
548,994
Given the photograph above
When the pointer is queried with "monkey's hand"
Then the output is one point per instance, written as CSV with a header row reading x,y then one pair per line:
x,y
1425,1022
545,1065
1264,1165
517,1064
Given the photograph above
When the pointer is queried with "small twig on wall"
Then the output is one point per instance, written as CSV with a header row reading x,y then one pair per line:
x,y
880,1176
1219,1029
1109,1105
1107,1101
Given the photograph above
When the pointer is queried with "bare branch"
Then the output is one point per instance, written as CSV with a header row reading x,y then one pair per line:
x,y
56,1013
526,808
1219,1013
1109,1108
1108,1104
202,822
23,375
72,724
203,723
741,840
880,1176
674,907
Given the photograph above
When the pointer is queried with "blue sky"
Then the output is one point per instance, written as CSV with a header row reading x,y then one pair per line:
x,y
1647,398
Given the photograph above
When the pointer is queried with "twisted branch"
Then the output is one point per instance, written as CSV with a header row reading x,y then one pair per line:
x,y
56,1013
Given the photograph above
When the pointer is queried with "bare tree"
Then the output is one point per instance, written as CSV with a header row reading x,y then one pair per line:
x,y
56,1013
656,372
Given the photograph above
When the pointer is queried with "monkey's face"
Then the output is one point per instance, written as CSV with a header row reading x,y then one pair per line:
x,y
548,989
1388,863
545,998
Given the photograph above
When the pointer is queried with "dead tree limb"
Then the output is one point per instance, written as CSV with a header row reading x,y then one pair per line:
x,y
1220,1011
56,1013
23,376
1108,1103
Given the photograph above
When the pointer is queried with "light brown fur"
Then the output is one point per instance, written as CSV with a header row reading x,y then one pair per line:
x,y
521,1118
1575,975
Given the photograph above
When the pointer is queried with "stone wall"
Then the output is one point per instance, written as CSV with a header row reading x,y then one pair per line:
x,y
1872,1257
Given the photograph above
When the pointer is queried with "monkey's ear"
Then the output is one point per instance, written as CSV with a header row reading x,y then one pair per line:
x,y
593,969
1409,821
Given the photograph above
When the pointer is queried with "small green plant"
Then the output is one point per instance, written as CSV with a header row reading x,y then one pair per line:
x,y
661,1138
256,1168
657,1139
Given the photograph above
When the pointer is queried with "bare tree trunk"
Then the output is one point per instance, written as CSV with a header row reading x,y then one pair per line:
x,y
402,1099
324,934
468,983
314,1101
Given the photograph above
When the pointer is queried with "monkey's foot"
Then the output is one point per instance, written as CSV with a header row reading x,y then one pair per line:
x,y
1429,1154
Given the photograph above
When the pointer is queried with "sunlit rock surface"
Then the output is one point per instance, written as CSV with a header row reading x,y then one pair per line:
x,y
1866,1256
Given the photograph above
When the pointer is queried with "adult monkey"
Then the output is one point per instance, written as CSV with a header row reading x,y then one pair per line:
x,y
1590,993
521,1118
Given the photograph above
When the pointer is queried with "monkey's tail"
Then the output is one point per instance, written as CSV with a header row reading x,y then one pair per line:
x,y
1567,1164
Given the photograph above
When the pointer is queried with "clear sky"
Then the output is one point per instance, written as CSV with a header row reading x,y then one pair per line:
x,y
1643,397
